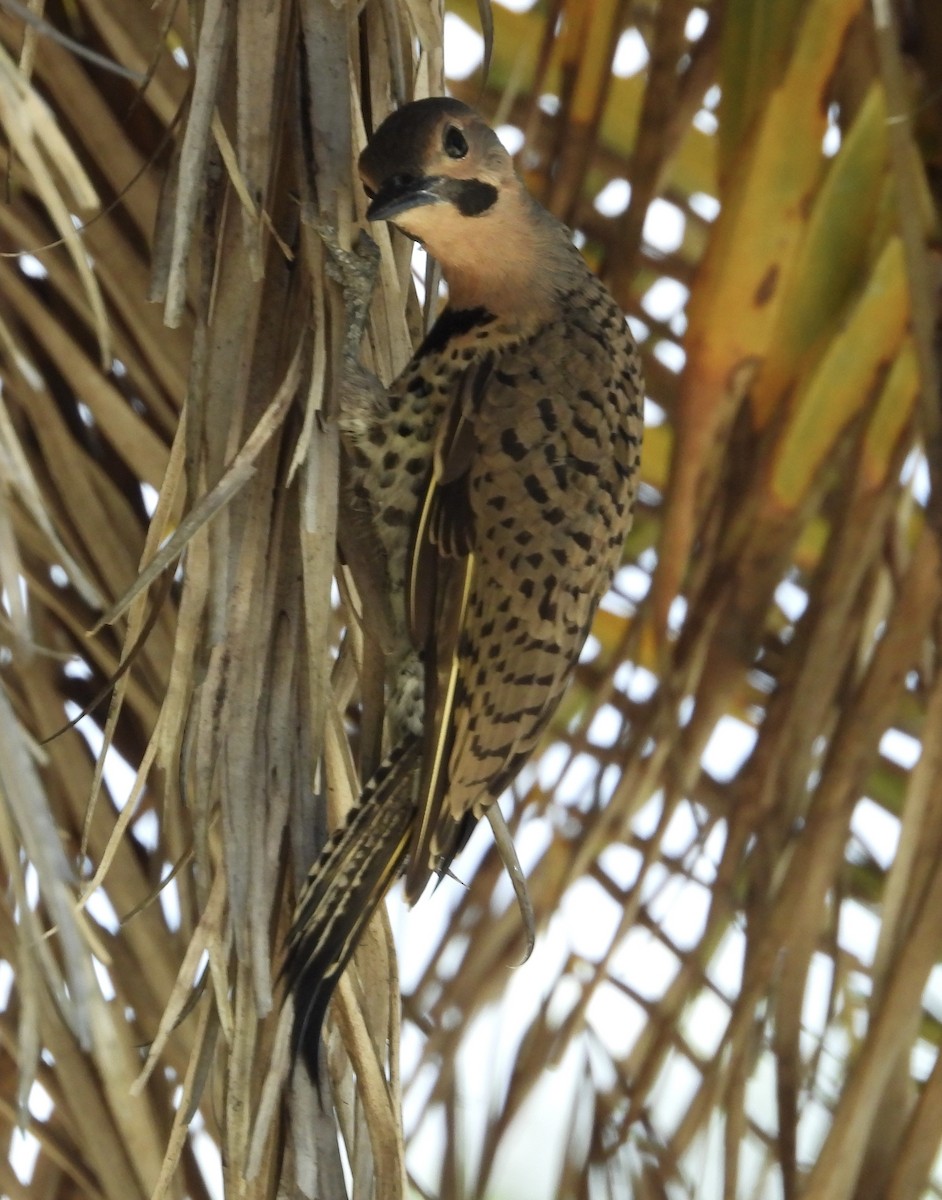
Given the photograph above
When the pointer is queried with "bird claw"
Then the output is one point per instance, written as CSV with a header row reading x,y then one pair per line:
x,y
356,271
367,250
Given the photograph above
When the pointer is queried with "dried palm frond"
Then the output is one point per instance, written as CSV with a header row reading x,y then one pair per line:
x,y
733,992
171,485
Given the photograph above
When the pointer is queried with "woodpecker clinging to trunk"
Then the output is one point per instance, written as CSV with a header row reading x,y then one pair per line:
x,y
498,473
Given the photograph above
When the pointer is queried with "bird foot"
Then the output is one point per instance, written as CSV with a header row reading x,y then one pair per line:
x,y
356,271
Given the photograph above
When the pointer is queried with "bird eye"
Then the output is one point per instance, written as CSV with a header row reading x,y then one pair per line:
x,y
454,142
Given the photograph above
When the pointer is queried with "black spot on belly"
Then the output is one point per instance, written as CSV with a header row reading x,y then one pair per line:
x,y
547,414
511,444
535,489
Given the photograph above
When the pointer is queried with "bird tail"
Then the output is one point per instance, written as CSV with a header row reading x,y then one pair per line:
x,y
352,874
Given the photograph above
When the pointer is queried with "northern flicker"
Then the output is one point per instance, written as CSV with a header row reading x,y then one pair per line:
x,y
498,473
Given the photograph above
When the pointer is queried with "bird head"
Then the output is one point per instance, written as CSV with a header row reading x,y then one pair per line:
x,y
437,171
430,154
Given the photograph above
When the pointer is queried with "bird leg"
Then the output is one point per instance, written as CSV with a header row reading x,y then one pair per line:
x,y
356,271
361,405
362,397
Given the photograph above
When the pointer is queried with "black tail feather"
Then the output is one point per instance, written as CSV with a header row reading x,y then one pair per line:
x,y
352,874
